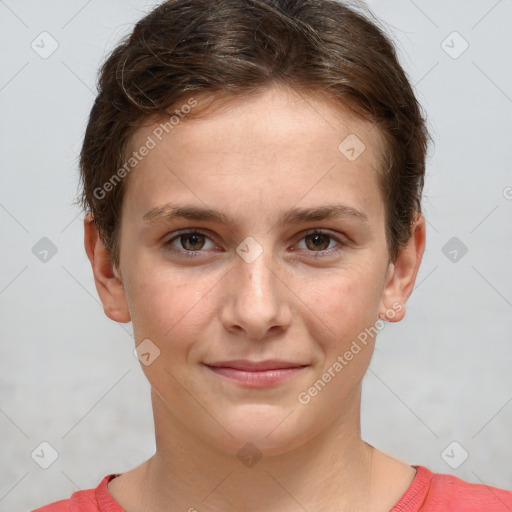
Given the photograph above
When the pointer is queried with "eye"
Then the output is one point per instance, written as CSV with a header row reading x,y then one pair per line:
x,y
191,242
318,242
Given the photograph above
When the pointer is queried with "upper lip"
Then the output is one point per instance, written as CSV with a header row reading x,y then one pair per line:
x,y
244,364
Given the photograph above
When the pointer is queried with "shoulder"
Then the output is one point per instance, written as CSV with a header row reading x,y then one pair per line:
x,y
451,491
89,500
437,492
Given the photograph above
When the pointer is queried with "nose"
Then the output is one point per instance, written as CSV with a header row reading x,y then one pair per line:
x,y
257,304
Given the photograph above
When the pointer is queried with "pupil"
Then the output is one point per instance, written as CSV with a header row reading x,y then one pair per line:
x,y
317,239
193,238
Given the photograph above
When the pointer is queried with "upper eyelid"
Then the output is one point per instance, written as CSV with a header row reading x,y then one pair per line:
x,y
190,231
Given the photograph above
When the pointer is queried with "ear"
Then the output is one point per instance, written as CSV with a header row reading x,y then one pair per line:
x,y
402,274
109,286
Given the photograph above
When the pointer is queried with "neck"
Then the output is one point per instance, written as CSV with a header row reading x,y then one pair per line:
x,y
330,471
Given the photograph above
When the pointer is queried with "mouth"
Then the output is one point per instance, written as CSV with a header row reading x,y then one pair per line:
x,y
256,374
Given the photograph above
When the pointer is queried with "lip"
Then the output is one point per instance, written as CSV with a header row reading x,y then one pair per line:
x,y
256,374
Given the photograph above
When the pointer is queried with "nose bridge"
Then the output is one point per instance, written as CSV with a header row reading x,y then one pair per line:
x,y
255,269
257,303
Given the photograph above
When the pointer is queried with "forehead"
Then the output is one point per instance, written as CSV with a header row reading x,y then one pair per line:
x,y
277,147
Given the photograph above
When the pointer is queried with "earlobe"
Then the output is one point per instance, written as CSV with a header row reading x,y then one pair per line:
x,y
402,274
106,276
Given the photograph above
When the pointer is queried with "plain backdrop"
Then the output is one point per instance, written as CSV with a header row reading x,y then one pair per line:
x,y
439,389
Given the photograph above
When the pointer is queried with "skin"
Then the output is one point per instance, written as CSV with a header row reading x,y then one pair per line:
x,y
253,160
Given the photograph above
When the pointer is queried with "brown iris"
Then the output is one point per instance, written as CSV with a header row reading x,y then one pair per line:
x,y
195,238
317,240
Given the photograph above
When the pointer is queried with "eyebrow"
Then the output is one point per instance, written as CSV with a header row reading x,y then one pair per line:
x,y
169,212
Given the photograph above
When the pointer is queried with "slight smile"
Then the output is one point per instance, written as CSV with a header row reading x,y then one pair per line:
x,y
255,374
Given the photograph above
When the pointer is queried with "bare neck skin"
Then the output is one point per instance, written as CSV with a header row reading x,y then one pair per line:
x,y
337,470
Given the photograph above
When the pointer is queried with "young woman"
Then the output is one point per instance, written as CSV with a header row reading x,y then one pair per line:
x,y
253,173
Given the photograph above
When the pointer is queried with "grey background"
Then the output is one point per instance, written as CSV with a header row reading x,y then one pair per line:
x,y
67,373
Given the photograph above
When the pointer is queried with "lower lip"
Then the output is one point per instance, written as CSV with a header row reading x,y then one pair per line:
x,y
257,379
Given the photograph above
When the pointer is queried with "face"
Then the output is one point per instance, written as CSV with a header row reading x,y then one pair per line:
x,y
290,271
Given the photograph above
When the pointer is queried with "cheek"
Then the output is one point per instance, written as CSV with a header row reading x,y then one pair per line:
x,y
345,301
166,304
169,309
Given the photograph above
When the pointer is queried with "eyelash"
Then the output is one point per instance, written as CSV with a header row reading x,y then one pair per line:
x,y
195,254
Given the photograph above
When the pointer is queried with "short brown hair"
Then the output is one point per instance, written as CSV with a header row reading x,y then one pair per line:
x,y
229,48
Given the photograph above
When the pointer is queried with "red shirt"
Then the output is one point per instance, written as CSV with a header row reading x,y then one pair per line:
x,y
428,492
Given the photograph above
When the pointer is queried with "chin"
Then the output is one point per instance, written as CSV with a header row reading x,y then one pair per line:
x,y
263,432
